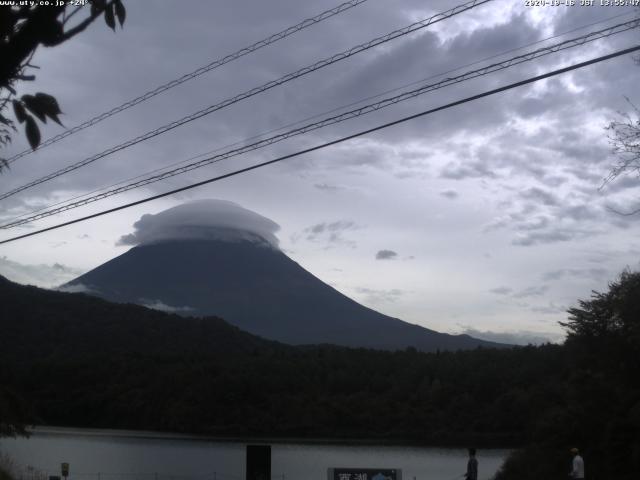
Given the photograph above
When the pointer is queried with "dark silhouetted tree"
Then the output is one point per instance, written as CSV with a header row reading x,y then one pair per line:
x,y
598,408
613,314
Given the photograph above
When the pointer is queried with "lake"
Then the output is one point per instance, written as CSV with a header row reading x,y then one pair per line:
x,y
125,455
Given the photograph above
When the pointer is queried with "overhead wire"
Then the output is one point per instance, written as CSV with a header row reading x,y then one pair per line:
x,y
318,115
527,57
194,74
334,142
254,91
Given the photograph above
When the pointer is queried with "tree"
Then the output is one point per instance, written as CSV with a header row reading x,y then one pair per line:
x,y
23,28
625,141
611,315
598,402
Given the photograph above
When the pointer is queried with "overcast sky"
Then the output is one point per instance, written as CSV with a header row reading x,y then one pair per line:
x,y
485,218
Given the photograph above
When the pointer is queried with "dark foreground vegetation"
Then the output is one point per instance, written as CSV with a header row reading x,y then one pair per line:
x,y
79,361
599,409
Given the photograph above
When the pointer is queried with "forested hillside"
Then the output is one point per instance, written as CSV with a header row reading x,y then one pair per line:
x,y
80,361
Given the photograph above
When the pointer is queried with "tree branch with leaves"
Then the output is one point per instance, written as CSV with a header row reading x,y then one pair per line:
x,y
624,137
22,30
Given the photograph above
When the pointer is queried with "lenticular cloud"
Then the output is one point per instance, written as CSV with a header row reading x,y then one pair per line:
x,y
203,219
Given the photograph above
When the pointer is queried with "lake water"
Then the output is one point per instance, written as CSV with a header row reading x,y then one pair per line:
x,y
120,455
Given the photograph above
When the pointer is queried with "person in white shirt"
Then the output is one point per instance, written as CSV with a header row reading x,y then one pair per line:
x,y
577,466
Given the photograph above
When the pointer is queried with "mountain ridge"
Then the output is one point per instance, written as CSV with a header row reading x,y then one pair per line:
x,y
257,288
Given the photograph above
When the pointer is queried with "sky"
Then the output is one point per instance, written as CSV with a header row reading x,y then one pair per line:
x,y
489,218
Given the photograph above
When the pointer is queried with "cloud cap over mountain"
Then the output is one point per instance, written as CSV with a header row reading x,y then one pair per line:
x,y
201,220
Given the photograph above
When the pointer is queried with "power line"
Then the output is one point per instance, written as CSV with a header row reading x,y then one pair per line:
x,y
578,41
254,91
196,73
476,62
318,115
335,142
339,118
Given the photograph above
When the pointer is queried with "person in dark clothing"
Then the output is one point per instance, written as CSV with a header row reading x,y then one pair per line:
x,y
472,466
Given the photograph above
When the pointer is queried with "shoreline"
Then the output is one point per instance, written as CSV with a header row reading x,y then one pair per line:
x,y
155,435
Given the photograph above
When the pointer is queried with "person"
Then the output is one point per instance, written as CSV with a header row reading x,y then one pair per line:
x,y
472,466
577,466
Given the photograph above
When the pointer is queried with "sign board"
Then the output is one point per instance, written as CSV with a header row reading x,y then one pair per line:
x,y
64,467
364,474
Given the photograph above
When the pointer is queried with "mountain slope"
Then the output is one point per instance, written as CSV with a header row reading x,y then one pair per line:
x,y
257,288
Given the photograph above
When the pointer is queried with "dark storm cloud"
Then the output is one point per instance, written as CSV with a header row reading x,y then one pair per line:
x,y
382,66
154,31
386,255
398,63
208,30
450,194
